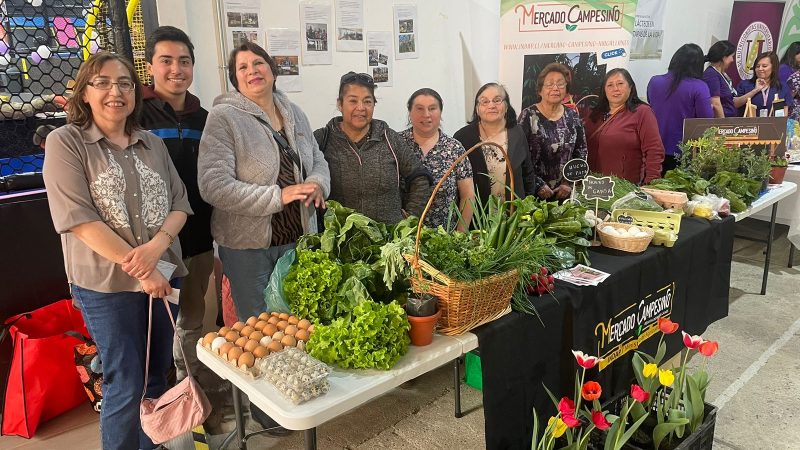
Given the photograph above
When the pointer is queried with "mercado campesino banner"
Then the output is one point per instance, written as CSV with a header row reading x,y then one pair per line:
x,y
590,37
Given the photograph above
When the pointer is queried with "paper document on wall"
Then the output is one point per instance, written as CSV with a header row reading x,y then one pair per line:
x,y
405,30
350,25
283,45
242,22
316,22
379,56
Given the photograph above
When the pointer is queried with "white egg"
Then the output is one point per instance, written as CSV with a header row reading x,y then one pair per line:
x,y
634,230
609,229
265,340
623,232
217,342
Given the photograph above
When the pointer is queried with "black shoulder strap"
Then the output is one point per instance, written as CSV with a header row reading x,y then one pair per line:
x,y
284,146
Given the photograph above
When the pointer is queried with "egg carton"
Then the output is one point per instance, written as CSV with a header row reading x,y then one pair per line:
x,y
252,372
298,376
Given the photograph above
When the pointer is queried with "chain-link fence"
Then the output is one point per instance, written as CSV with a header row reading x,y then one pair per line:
x,y
42,45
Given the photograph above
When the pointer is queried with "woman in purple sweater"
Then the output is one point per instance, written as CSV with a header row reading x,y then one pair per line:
x,y
790,62
679,94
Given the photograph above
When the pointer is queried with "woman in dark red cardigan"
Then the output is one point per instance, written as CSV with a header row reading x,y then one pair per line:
x,y
622,132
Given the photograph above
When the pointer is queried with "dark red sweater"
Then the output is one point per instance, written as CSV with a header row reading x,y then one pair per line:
x,y
629,146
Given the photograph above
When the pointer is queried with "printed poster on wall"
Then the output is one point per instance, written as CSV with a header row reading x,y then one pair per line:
x,y
283,45
648,31
405,31
242,22
379,56
350,25
315,18
754,29
590,37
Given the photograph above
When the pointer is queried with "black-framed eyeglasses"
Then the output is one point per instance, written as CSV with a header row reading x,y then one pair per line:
x,y
106,85
350,77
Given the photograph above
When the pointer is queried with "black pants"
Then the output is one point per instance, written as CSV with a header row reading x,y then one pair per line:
x,y
670,162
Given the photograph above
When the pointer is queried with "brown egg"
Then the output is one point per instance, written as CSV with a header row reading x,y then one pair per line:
x,y
282,325
208,338
264,316
260,351
225,348
241,341
238,326
223,331
273,320
250,346
269,330
289,341
275,313
278,335
275,346
260,325
311,328
234,353
247,330
251,321
231,336
293,320
283,316
291,330
302,335
304,324
256,335
246,360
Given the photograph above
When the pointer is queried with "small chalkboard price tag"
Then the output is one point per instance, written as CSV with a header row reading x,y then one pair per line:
x,y
575,170
625,219
598,188
642,195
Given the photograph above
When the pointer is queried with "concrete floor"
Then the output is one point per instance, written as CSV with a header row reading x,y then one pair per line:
x,y
754,383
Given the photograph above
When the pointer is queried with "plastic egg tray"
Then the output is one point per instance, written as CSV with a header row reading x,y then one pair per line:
x,y
299,377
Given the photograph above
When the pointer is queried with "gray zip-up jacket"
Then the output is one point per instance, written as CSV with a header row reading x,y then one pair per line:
x,y
381,179
238,169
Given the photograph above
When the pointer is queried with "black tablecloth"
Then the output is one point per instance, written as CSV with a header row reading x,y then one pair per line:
x,y
688,283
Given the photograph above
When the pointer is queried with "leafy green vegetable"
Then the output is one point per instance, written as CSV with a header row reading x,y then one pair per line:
x,y
373,336
311,285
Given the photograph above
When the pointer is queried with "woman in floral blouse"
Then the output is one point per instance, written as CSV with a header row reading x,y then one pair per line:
x,y
438,151
555,133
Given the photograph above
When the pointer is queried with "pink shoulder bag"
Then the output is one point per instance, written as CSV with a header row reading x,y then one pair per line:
x,y
178,410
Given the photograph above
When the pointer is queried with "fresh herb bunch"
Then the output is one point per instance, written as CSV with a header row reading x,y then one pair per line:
x,y
622,187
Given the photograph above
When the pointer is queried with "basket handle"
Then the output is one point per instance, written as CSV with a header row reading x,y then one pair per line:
x,y
447,173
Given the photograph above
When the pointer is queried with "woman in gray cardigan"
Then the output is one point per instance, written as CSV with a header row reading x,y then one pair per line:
x,y
260,168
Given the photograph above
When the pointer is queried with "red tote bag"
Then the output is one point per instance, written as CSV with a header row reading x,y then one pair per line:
x,y
42,381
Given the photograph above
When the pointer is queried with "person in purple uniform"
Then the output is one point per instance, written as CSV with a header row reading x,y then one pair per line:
x,y
676,95
724,99
766,84
790,62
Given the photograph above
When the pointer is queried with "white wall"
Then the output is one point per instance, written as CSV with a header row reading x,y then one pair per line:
x,y
458,44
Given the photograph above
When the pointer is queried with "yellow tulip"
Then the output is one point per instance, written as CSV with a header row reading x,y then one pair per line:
x,y
559,429
666,377
650,370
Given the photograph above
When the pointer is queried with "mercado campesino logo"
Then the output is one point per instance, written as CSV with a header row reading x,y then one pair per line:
x,y
634,324
571,15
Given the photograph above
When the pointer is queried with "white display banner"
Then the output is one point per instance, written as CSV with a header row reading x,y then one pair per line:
x,y
648,31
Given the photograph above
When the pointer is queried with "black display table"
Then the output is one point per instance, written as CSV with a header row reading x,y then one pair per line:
x,y
688,283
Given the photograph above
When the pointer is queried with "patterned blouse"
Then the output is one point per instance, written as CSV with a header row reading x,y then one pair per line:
x,y
794,84
439,159
553,143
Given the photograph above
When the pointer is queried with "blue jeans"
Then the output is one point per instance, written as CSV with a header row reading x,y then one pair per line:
x,y
249,271
118,324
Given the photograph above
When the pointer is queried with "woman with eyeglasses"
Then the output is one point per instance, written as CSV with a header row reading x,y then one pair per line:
x,y
554,133
676,95
260,169
438,152
118,203
622,132
373,169
494,120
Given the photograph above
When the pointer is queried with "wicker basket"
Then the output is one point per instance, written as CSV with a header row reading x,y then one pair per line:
x,y
668,199
464,304
665,225
626,244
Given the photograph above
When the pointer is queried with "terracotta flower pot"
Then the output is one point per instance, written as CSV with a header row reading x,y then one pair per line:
x,y
776,174
421,331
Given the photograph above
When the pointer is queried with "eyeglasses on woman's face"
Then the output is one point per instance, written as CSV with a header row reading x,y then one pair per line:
x,y
483,101
105,84
560,86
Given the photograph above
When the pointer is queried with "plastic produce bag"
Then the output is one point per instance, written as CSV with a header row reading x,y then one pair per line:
x,y
638,200
273,293
422,306
708,206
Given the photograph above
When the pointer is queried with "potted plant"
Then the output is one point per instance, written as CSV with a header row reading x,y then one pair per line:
x,y
778,170
422,314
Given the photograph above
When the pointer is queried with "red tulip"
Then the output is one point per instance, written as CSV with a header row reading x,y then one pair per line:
x,y
591,391
571,421
599,420
667,326
566,407
692,342
708,348
586,361
639,394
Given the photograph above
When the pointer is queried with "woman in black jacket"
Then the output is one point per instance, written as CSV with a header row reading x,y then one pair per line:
x,y
494,120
